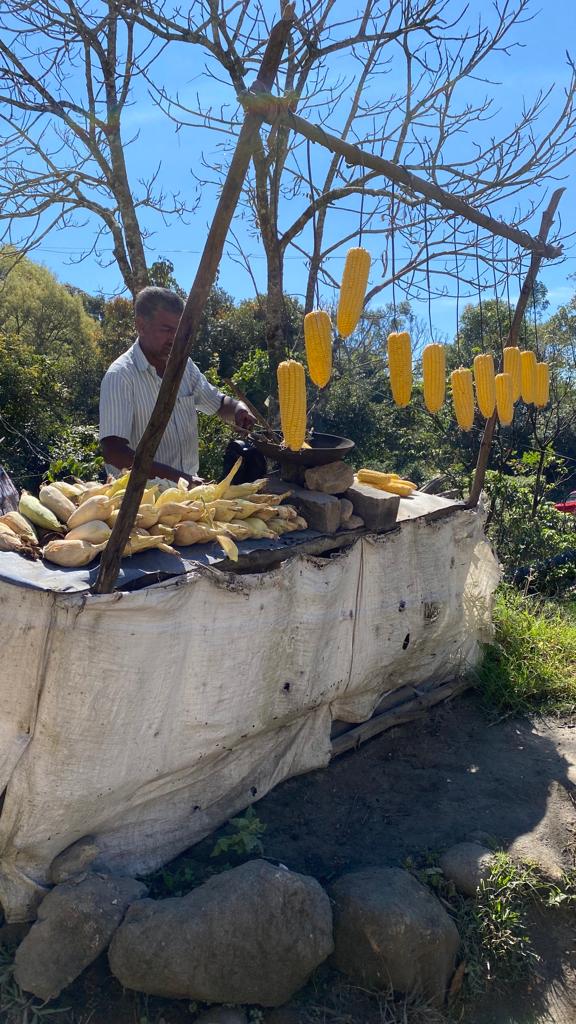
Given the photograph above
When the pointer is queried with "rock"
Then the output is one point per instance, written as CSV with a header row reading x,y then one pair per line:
x,y
321,511
223,1015
378,509
250,935
346,510
334,478
76,921
75,860
354,523
466,864
390,930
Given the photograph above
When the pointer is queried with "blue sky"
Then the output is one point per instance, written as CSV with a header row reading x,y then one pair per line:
x,y
537,65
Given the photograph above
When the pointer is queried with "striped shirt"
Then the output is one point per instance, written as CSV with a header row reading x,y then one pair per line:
x,y
127,397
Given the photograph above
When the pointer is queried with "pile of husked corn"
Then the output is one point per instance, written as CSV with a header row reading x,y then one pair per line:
x,y
84,513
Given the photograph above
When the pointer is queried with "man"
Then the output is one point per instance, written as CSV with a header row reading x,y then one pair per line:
x,y
130,389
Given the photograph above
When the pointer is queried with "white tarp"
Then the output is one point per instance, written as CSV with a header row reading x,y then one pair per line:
x,y
147,719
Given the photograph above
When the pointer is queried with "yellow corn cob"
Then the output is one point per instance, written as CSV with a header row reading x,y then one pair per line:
x,y
528,376
37,513
542,387
504,398
245,490
485,386
352,290
390,482
318,341
70,490
400,366
434,374
512,365
463,397
292,398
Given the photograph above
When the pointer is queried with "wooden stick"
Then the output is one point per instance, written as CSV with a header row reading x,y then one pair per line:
x,y
191,314
255,412
400,715
275,111
512,339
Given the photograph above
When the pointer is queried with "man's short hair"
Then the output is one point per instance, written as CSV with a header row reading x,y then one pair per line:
x,y
150,299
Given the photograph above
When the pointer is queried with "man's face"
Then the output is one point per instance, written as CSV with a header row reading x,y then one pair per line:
x,y
156,333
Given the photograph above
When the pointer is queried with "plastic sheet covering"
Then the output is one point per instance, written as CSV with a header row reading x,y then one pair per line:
x,y
146,719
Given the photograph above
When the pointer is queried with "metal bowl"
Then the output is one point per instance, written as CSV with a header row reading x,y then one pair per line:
x,y
324,448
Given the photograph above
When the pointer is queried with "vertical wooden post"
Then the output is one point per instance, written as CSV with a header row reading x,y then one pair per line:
x,y
512,339
190,319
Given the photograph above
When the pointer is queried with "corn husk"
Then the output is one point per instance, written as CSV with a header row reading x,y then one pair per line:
x,y
245,490
20,525
57,502
95,532
287,512
160,530
184,510
228,546
92,491
10,541
193,533
148,515
37,513
71,553
279,526
72,491
300,522
269,499
97,507
258,528
140,540
237,530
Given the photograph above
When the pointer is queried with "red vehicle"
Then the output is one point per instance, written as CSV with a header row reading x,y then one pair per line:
x,y
569,505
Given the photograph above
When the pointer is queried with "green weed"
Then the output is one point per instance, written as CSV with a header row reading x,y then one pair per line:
x,y
245,839
532,663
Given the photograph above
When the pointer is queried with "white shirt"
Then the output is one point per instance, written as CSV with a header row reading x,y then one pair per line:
x,y
128,395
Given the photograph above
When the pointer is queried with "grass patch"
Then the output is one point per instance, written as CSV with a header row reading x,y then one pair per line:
x,y
532,663
496,949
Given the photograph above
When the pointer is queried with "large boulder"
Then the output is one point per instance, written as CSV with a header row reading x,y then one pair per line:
x,y
390,931
76,921
250,935
467,864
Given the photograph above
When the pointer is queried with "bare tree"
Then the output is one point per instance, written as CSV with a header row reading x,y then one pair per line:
x,y
403,92
66,76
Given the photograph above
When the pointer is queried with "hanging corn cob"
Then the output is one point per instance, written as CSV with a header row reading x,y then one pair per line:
x,y
528,368
292,398
512,364
504,399
318,341
352,290
434,374
542,386
485,386
400,366
463,397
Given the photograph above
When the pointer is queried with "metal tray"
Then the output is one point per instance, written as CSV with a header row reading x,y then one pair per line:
x,y
324,448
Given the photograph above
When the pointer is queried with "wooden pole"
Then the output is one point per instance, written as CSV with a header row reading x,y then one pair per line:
x,y
190,319
275,111
512,339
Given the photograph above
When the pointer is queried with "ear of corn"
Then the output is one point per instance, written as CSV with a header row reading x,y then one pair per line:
x,y
504,398
292,399
37,513
485,384
245,490
72,491
95,532
318,341
434,374
463,397
400,366
71,553
9,541
542,385
98,507
19,525
512,364
528,376
390,482
57,502
352,290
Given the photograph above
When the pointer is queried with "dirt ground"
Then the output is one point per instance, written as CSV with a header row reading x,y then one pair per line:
x,y
414,791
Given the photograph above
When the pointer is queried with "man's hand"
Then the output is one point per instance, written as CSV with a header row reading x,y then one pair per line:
x,y
243,418
192,481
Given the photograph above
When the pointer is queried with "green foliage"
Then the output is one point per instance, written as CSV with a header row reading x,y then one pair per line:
x,y
76,453
244,838
532,663
524,535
